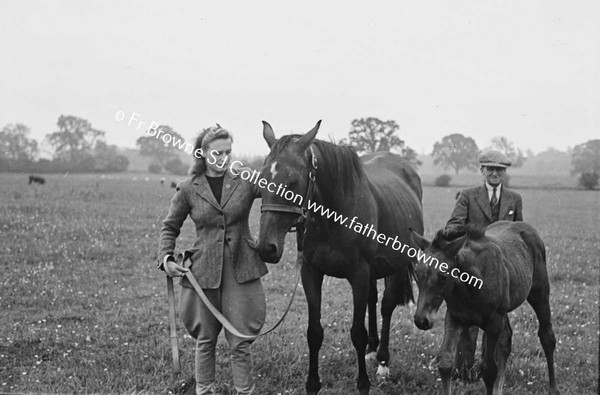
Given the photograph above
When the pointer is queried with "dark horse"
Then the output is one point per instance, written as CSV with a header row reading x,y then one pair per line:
x,y
379,193
510,259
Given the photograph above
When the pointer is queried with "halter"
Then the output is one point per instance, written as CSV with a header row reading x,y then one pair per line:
x,y
303,212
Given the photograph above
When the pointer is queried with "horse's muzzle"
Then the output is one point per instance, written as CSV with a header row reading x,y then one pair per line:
x,y
269,252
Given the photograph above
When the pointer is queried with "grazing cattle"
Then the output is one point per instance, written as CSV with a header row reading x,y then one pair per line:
x,y
37,180
173,184
162,182
380,191
508,263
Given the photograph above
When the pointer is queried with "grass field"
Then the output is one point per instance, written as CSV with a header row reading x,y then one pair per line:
x,y
83,309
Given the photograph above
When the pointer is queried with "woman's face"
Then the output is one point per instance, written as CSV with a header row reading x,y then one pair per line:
x,y
217,157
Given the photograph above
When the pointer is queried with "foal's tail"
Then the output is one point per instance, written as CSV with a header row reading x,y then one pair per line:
x,y
535,244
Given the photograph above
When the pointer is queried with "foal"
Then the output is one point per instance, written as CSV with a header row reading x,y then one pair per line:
x,y
510,259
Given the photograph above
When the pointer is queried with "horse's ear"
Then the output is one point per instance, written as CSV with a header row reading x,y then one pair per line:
x,y
306,140
268,134
419,240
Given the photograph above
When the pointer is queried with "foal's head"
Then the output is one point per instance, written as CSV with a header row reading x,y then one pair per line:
x,y
286,171
433,277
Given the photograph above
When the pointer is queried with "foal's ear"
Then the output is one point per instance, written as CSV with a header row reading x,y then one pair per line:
x,y
418,239
453,246
305,141
268,134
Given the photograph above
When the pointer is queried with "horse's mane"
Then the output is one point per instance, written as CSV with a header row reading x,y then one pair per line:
x,y
343,169
474,232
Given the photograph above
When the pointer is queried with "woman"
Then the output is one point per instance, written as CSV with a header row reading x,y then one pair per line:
x,y
223,262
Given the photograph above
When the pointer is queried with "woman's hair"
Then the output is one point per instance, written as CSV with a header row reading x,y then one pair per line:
x,y
206,137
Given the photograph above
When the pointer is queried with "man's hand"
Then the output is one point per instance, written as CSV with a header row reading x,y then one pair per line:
x,y
173,269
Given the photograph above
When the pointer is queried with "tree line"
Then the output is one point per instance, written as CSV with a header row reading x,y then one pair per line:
x,y
78,147
456,151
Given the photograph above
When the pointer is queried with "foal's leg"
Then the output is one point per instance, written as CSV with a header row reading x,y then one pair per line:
x,y
373,336
465,354
358,332
493,353
489,370
503,348
312,282
445,359
540,302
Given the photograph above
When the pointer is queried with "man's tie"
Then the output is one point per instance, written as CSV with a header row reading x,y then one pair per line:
x,y
494,200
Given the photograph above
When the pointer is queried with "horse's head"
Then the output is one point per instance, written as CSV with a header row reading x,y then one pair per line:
x,y
286,171
433,275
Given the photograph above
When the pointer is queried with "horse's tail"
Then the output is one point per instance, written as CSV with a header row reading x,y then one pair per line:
x,y
402,283
407,274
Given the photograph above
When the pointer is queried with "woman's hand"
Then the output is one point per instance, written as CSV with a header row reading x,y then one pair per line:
x,y
173,269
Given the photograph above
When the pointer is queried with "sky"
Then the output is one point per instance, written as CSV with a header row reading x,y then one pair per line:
x,y
527,70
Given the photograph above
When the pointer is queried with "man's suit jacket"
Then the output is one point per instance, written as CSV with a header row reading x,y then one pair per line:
x,y
473,206
216,224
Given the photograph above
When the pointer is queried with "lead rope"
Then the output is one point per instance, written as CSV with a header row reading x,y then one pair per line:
x,y
225,322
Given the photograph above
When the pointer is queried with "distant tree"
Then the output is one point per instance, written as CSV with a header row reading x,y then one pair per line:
x,y
154,168
15,145
507,147
442,181
589,180
586,161
108,159
586,157
457,152
374,135
254,162
74,140
176,166
157,149
530,153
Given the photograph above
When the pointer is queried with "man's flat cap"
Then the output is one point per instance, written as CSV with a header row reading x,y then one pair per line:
x,y
493,158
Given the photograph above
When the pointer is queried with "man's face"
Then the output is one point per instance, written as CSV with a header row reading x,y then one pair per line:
x,y
493,175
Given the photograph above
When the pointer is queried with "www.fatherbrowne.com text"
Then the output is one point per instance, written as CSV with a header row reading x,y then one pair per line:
x,y
253,176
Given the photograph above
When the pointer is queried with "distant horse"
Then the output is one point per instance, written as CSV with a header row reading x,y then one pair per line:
x,y
510,258
36,179
380,193
173,184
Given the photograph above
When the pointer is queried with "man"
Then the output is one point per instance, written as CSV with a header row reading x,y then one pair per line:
x,y
483,205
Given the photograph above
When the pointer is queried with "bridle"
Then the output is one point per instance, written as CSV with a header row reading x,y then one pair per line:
x,y
301,223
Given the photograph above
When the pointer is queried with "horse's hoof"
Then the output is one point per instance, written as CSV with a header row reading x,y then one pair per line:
x,y
383,372
371,357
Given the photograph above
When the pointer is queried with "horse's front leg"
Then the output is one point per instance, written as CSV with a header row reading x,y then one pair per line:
x,y
392,296
358,332
312,281
452,331
372,310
